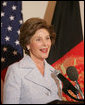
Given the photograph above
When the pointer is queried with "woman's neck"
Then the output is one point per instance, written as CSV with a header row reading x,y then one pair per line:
x,y
39,63
37,60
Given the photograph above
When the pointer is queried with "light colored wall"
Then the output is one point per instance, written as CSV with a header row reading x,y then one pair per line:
x,y
33,9
38,8
82,14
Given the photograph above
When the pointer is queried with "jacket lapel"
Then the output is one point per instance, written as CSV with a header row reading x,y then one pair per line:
x,y
35,77
33,74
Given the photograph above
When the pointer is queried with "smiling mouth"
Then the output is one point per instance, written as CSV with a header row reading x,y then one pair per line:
x,y
44,50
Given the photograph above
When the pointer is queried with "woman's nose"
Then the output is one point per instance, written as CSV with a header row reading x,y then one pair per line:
x,y
44,42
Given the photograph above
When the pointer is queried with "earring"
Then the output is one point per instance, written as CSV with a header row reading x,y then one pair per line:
x,y
28,48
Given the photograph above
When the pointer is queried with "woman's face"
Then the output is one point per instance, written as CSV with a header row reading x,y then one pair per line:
x,y
40,44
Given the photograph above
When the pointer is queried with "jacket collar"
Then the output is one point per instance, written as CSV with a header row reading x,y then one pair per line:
x,y
34,74
27,62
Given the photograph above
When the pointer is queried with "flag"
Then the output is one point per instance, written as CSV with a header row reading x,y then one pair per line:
x,y
69,45
11,20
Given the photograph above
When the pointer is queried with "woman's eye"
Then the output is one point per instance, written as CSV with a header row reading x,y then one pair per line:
x,y
48,38
37,39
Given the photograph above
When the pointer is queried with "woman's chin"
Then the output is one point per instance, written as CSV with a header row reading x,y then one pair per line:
x,y
45,57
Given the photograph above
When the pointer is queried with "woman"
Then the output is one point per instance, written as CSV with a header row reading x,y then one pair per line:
x,y
29,81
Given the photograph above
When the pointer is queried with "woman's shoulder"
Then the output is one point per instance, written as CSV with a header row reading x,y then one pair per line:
x,y
16,64
21,65
15,68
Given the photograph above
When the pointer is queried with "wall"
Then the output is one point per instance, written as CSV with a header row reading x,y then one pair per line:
x,y
82,14
34,9
38,9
